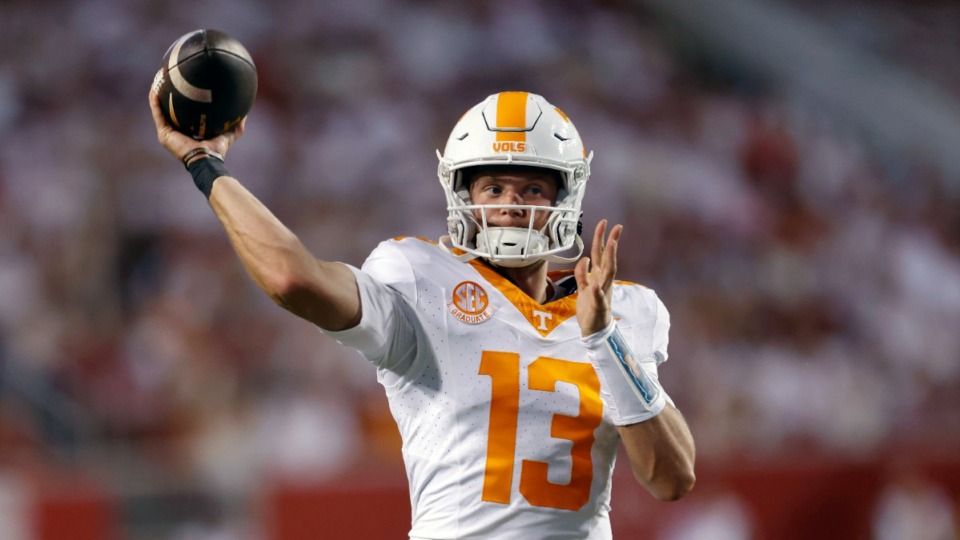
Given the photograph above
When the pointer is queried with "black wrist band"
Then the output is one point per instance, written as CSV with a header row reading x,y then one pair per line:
x,y
201,150
205,171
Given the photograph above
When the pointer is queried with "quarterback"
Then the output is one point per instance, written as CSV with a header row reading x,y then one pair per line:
x,y
512,385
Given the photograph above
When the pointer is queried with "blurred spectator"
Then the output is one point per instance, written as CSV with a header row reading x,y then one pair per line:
x,y
911,506
713,516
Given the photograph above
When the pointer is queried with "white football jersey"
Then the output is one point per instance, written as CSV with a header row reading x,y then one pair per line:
x,y
504,426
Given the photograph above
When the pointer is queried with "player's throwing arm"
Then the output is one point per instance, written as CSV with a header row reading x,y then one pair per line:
x,y
322,292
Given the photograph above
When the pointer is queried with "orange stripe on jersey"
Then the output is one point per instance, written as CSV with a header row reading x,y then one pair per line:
x,y
421,238
512,114
544,318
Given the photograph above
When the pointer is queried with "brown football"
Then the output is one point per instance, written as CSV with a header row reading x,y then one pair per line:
x,y
207,83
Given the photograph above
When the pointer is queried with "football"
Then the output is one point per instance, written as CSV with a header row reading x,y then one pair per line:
x,y
207,83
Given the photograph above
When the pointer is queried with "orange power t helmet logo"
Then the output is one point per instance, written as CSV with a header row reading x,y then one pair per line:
x,y
511,122
470,303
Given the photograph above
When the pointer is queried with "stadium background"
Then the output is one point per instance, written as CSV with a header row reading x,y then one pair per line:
x,y
786,171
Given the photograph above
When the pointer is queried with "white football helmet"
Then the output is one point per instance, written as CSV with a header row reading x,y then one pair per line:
x,y
516,129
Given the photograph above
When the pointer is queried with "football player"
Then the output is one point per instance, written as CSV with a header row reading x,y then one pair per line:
x,y
512,386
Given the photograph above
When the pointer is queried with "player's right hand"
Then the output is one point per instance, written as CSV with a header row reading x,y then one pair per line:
x,y
179,144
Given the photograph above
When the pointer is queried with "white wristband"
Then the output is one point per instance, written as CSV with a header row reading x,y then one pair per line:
x,y
630,392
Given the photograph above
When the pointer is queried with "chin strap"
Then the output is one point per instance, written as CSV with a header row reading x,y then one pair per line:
x,y
577,241
463,256
466,254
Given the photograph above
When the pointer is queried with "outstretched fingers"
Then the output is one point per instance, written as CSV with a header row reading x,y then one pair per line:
x,y
595,275
599,270
604,254
596,248
608,270
581,272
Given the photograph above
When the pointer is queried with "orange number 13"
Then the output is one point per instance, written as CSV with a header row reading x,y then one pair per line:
x,y
503,368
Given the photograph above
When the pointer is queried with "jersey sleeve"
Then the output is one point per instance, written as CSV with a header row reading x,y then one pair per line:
x,y
649,328
661,332
385,335
661,338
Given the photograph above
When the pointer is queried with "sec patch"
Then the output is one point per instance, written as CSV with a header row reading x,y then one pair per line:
x,y
470,303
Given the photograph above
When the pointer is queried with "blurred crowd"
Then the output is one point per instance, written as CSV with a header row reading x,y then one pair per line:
x,y
921,36
813,281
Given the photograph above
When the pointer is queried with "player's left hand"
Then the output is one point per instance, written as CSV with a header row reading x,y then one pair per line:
x,y
594,276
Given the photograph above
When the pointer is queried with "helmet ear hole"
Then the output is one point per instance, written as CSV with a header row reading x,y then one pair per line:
x,y
461,184
465,232
562,232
